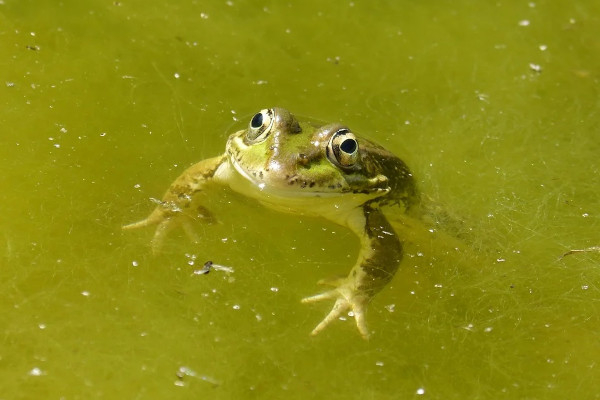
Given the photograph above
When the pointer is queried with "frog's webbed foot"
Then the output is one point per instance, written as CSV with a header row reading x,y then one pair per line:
x,y
346,298
166,220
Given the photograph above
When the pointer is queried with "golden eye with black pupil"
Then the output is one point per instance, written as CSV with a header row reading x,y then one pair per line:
x,y
342,148
260,126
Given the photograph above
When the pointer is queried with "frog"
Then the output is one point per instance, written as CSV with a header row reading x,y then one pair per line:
x,y
311,169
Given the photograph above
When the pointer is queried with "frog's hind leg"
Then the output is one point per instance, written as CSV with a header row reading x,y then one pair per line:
x,y
377,262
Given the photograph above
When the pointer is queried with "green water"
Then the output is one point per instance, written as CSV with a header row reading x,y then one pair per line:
x,y
495,106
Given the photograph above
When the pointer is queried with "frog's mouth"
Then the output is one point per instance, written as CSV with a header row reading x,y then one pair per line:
x,y
254,185
258,179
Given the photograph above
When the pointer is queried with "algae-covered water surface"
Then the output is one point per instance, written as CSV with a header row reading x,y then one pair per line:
x,y
493,106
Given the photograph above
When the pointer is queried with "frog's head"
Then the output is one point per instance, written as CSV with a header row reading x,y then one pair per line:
x,y
280,153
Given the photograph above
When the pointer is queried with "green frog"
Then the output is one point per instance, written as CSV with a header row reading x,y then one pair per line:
x,y
308,168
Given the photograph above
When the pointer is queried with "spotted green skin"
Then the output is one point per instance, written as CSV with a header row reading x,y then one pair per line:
x,y
294,169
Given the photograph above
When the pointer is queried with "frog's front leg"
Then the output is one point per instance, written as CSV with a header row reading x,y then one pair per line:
x,y
175,208
378,261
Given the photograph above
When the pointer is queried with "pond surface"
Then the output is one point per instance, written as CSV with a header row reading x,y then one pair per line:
x,y
495,107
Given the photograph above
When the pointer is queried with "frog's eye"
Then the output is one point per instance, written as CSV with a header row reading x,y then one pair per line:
x,y
342,149
260,126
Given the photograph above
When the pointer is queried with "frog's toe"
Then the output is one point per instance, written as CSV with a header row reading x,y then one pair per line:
x,y
331,294
139,224
338,308
343,303
164,225
159,235
189,231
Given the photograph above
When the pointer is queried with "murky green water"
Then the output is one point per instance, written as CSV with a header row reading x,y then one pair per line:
x,y
494,106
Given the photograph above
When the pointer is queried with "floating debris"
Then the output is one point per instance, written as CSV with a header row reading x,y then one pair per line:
x,y
210,265
36,372
589,249
535,67
183,372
